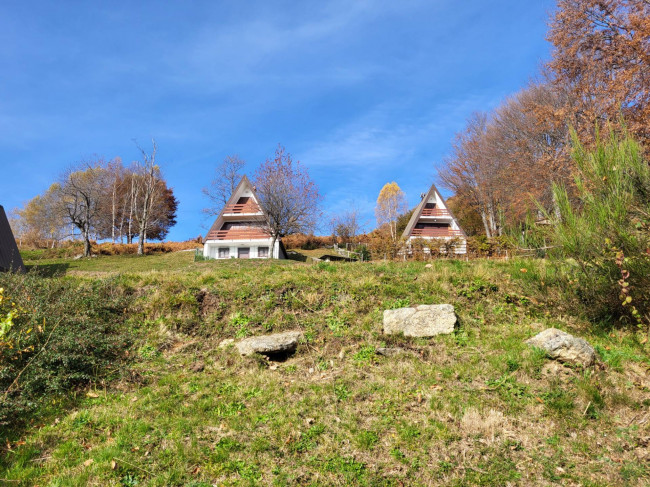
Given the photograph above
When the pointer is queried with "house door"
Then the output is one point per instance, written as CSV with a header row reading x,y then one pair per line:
x,y
243,253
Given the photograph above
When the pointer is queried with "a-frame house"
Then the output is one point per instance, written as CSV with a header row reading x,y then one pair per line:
x,y
239,230
432,221
10,259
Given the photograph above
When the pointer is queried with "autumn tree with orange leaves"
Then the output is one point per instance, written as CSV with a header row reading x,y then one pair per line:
x,y
504,165
602,57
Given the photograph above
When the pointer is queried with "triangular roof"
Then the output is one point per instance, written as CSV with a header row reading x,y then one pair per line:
x,y
417,213
10,259
243,184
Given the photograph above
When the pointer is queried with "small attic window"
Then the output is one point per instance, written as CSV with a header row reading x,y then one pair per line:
x,y
429,206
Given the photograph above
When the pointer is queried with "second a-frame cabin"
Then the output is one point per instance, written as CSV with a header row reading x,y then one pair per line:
x,y
10,259
432,221
239,230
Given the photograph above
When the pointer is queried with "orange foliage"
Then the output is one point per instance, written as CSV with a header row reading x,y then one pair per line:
x,y
307,242
602,55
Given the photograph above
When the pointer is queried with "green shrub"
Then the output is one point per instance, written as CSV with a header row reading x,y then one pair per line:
x,y
606,232
364,252
61,336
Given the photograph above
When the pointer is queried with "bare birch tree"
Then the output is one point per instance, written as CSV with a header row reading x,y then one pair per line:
x,y
289,198
116,171
147,177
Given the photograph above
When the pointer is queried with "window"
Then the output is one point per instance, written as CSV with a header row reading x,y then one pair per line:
x,y
263,252
224,252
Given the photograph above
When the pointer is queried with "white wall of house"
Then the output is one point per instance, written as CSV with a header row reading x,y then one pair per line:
x,y
255,249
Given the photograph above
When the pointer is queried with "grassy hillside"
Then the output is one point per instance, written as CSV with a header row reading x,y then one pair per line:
x,y
474,408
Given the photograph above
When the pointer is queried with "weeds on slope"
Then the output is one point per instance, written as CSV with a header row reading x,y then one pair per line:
x,y
477,407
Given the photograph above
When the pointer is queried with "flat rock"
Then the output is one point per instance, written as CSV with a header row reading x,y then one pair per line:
x,y
389,351
564,347
425,320
270,344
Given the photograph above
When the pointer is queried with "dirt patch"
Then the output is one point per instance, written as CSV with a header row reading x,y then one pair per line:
x,y
209,303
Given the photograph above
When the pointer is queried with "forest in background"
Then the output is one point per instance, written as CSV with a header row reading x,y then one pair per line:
x,y
504,164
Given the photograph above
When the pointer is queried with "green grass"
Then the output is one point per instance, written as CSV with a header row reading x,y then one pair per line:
x,y
477,407
176,261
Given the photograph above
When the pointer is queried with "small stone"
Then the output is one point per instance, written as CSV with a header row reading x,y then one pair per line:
x,y
563,346
428,266
389,351
226,342
270,344
197,366
425,320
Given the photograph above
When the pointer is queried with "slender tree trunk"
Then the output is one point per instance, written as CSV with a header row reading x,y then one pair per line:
x,y
129,235
143,226
121,234
143,236
556,206
86,245
86,236
274,238
114,209
86,232
492,219
488,234
144,222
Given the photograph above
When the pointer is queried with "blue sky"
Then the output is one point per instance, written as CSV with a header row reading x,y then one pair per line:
x,y
361,92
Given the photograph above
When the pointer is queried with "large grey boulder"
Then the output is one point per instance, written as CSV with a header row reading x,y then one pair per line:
x,y
563,346
425,320
270,344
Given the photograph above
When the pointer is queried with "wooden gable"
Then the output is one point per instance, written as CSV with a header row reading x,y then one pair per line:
x,y
442,223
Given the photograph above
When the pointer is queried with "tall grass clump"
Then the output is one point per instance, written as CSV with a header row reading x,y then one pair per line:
x,y
605,231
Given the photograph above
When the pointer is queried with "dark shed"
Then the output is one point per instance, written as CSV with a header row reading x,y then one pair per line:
x,y
10,259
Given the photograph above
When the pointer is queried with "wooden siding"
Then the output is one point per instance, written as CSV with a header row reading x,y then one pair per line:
x,y
246,208
435,212
436,232
238,234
